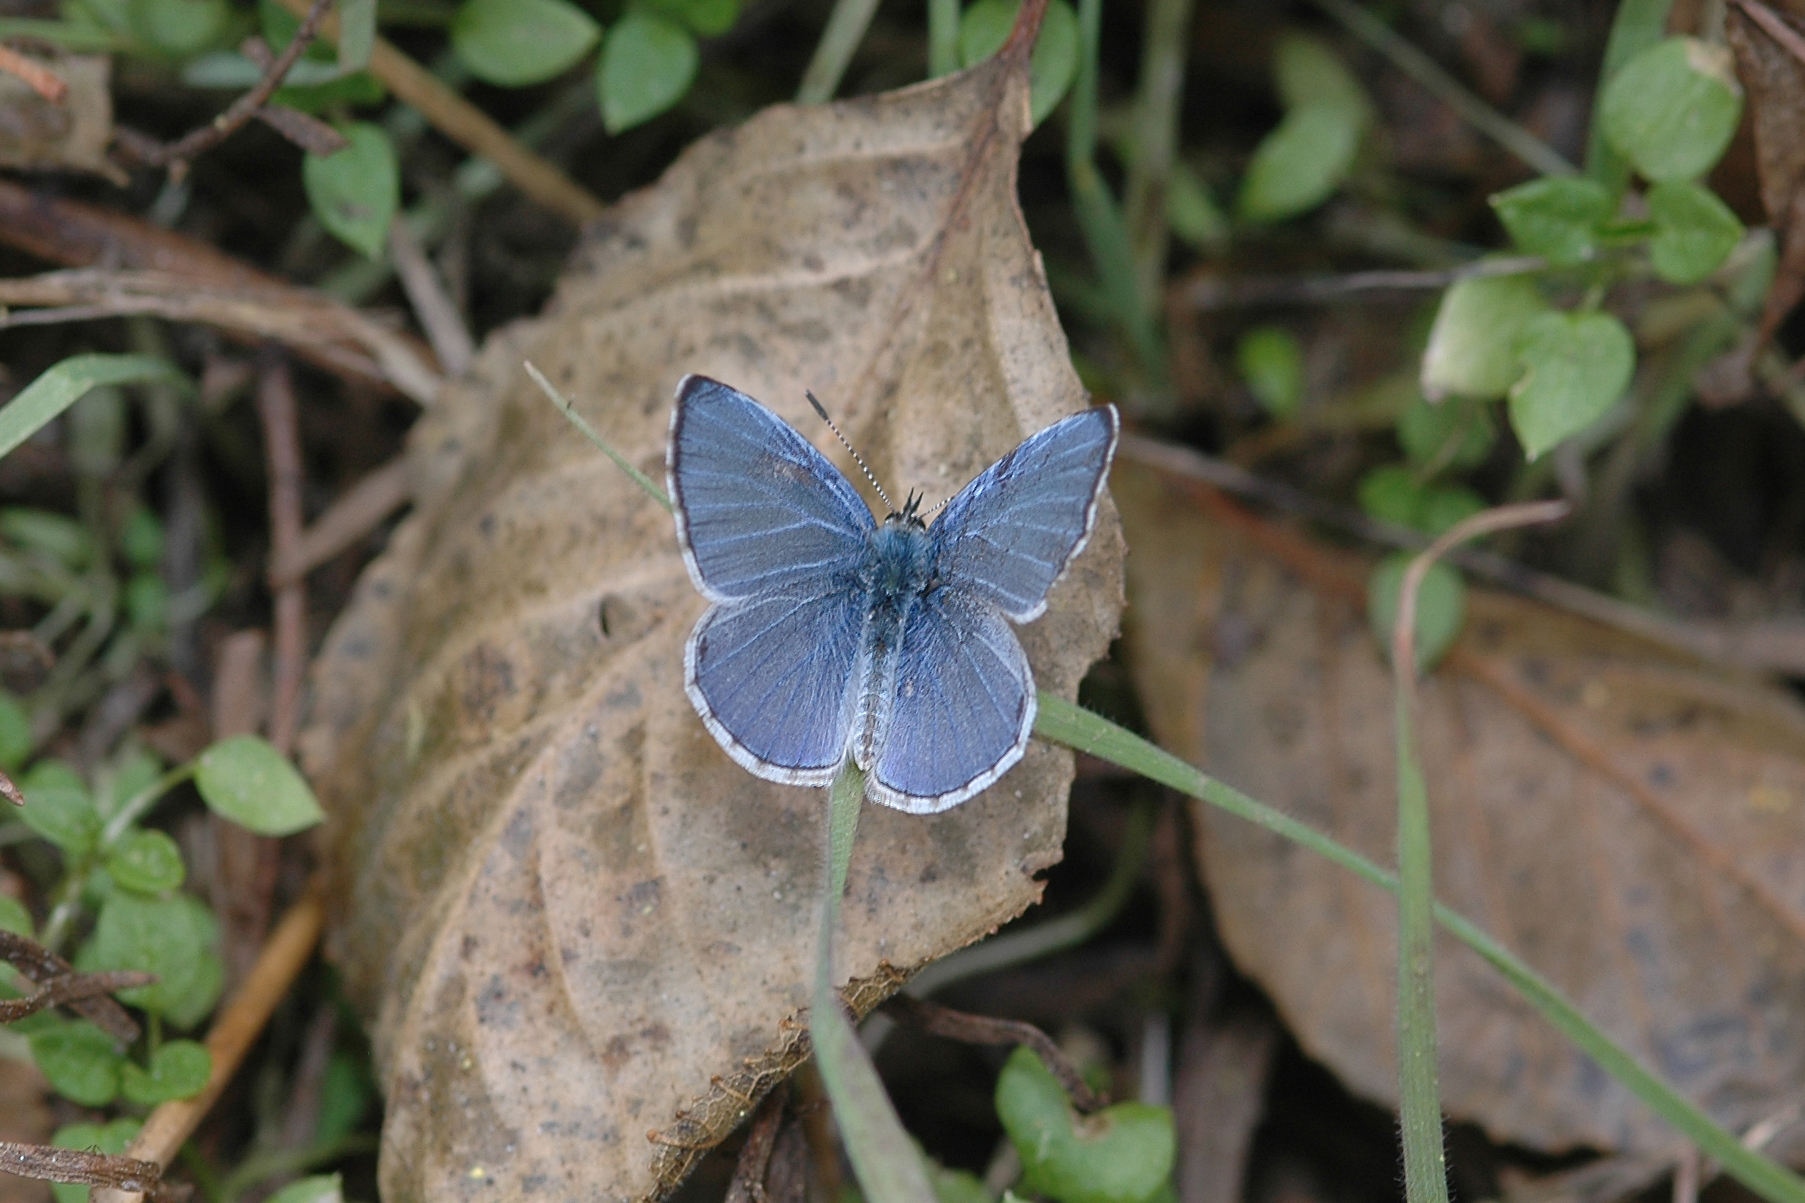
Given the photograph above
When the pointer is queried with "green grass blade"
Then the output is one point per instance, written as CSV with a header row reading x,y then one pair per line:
x,y
63,384
589,432
1065,722
884,1158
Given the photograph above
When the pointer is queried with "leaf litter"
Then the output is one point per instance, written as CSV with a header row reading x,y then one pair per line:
x,y
580,935
1620,816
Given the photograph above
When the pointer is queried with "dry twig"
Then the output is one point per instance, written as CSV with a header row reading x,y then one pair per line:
x,y
282,449
37,76
41,967
355,514
177,154
983,1029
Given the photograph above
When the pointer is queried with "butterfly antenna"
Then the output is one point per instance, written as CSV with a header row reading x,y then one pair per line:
x,y
853,451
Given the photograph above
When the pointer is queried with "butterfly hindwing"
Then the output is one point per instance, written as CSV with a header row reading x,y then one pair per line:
x,y
773,678
758,508
1009,533
962,705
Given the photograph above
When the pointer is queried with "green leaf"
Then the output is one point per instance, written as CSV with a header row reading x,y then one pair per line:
x,y
1053,65
323,1188
705,18
136,770
91,1138
343,91
1443,506
346,1094
57,536
178,1070
1306,72
957,1186
279,26
1192,212
147,602
180,28
141,538
1575,366
648,63
15,733
170,937
513,43
78,1060
1472,349
147,861
1300,164
1694,231
1272,363
1391,494
64,383
1557,218
1441,606
355,192
356,33
1122,1154
1453,434
14,917
246,780
59,808
1673,108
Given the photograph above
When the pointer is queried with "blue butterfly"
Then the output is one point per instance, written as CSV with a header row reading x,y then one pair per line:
x,y
833,635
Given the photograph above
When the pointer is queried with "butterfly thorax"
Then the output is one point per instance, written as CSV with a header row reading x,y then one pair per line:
x,y
898,572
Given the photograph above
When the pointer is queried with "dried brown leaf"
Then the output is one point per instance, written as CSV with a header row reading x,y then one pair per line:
x,y
1624,819
1767,49
71,134
569,917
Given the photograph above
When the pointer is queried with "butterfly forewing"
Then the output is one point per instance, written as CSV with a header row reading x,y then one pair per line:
x,y
1009,533
773,678
758,508
963,703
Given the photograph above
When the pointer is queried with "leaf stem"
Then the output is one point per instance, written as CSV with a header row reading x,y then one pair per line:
x,y
883,1157
589,432
846,27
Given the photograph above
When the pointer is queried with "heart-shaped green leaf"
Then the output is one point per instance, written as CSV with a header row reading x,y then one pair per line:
x,y
1122,1154
1575,366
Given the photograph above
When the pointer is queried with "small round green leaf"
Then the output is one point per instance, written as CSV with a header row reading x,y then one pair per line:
x,y
648,63
1053,65
147,602
1575,366
705,18
1557,218
1307,73
14,917
91,1138
178,1070
78,1060
1300,164
141,538
1694,231
246,780
148,862
1672,109
513,43
59,808
1441,606
1452,434
15,733
1472,349
1391,494
1122,1154
324,1188
355,192
1192,212
180,28
1443,506
1272,363
170,937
